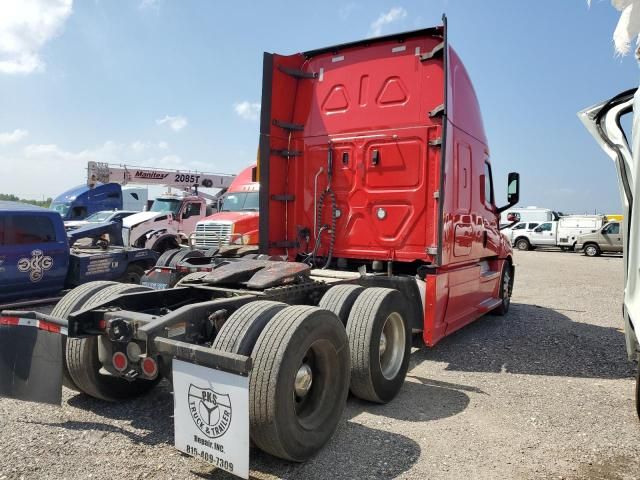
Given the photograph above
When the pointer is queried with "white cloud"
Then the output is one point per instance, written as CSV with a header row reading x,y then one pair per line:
x,y
247,110
25,27
176,123
38,170
393,15
7,138
139,146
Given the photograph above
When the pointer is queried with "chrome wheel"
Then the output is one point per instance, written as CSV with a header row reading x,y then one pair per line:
x,y
591,251
304,379
392,345
506,285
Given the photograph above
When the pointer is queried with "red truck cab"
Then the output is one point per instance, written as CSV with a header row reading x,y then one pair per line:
x,y
236,222
374,154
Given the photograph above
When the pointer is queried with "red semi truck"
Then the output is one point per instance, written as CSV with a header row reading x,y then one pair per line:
x,y
236,222
377,219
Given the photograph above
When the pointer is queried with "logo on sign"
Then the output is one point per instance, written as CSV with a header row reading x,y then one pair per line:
x,y
211,411
150,175
36,265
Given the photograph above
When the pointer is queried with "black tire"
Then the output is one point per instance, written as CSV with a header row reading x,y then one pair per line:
x,y
191,276
240,332
340,300
133,275
71,302
183,255
164,245
283,424
165,258
84,364
592,250
371,312
523,244
506,287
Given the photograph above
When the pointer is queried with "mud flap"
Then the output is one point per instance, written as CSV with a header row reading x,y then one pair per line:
x,y
30,361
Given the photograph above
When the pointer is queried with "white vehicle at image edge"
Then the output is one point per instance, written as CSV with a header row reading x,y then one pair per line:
x,y
603,121
563,233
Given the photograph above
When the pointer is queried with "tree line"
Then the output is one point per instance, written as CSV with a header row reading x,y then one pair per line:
x,y
12,198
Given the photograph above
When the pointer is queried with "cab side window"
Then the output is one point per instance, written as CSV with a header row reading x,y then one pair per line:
x,y
533,225
613,229
520,226
28,229
545,227
193,209
488,184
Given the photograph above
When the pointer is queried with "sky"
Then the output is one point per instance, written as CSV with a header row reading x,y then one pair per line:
x,y
177,84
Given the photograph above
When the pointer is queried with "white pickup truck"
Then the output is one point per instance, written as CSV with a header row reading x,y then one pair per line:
x,y
562,233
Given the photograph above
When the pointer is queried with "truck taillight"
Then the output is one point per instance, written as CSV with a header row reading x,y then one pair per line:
x,y
149,367
119,361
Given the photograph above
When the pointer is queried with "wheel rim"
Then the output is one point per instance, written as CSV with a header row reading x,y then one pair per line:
x,y
310,384
506,286
304,380
522,245
391,346
591,251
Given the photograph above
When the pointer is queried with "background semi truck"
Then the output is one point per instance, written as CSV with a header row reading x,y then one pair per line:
x,y
370,230
173,216
79,202
236,221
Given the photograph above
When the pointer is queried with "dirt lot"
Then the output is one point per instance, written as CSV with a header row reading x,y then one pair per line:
x,y
545,392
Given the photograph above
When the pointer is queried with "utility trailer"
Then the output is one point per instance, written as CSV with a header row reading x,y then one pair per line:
x,y
378,221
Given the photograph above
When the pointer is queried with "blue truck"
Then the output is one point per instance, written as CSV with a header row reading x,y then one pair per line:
x,y
81,201
38,258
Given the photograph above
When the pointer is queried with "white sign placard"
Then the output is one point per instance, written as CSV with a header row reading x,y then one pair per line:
x,y
211,416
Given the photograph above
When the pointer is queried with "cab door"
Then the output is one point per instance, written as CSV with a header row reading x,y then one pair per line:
x,y
543,234
611,238
192,212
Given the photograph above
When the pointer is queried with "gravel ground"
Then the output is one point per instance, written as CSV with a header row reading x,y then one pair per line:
x,y
544,392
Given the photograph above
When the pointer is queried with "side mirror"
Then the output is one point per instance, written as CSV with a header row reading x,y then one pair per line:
x,y
513,191
513,217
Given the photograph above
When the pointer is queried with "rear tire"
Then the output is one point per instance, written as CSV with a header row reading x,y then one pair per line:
x,y
72,301
506,287
84,364
240,332
340,300
183,255
133,275
523,244
592,250
299,382
380,344
165,258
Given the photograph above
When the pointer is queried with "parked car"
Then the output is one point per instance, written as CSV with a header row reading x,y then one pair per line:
x,y
608,239
513,232
98,217
562,233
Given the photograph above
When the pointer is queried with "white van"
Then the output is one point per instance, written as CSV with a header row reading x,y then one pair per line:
x,y
562,233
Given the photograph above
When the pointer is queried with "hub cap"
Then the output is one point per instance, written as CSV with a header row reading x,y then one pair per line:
x,y
392,343
304,379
